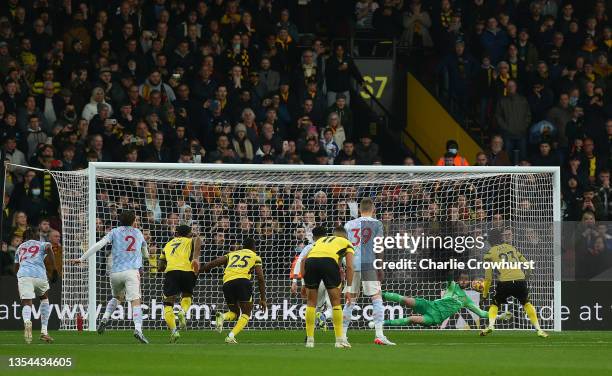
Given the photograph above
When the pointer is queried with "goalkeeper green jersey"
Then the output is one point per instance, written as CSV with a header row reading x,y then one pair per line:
x,y
452,301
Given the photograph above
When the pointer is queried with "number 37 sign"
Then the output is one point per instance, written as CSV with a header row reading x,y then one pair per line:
x,y
378,78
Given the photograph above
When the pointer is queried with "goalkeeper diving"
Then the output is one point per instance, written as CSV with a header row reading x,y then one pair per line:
x,y
434,312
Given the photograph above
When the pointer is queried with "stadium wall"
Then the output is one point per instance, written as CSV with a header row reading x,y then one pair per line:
x,y
431,125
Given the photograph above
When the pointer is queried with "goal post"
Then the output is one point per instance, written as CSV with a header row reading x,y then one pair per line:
x,y
92,280
278,205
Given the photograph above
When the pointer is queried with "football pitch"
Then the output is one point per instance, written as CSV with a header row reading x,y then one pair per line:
x,y
283,353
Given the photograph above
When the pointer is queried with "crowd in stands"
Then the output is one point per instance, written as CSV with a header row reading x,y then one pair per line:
x,y
229,81
534,75
222,81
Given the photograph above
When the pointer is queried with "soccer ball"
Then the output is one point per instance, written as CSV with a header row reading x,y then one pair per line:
x,y
478,285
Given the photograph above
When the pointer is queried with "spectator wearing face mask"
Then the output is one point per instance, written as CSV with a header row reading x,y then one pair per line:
x,y
452,151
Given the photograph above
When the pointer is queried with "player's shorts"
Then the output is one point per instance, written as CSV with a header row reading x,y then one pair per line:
x,y
30,287
369,287
429,311
126,284
319,269
517,289
179,282
238,290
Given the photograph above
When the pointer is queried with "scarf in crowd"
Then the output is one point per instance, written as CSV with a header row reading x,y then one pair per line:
x,y
505,82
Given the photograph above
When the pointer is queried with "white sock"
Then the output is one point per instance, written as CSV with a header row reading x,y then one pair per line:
x,y
137,318
379,316
26,313
110,308
347,314
45,311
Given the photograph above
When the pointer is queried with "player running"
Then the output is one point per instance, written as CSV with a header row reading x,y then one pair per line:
x,y
32,282
238,288
180,260
436,311
510,282
323,264
129,248
361,232
324,307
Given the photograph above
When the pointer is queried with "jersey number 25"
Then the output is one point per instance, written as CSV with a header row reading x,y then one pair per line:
x,y
244,261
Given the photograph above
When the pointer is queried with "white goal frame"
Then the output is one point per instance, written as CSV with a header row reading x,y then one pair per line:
x,y
96,166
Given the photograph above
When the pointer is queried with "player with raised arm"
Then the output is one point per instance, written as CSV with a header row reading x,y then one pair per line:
x,y
180,262
510,282
323,264
436,311
324,307
32,281
238,287
361,233
129,248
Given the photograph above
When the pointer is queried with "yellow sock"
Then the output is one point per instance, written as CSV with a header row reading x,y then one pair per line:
x,y
229,316
243,320
169,316
492,315
337,320
186,303
310,321
533,316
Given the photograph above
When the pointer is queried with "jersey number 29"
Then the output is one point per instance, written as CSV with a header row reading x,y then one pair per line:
x,y
29,252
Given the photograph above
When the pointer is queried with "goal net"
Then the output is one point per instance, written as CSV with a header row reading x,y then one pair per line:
x,y
279,206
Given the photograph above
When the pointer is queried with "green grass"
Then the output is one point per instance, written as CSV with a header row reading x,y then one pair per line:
x,y
280,353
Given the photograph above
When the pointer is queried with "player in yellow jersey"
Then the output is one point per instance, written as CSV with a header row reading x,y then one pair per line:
x,y
510,281
180,260
323,264
238,287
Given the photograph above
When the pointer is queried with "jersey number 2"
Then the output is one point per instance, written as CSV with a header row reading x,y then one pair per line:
x,y
132,240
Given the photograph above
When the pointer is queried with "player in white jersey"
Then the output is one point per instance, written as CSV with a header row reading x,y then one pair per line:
x,y
129,248
324,307
32,281
361,232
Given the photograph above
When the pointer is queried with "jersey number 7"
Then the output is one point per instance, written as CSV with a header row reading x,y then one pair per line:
x,y
175,247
